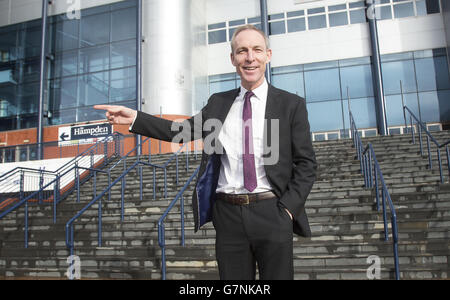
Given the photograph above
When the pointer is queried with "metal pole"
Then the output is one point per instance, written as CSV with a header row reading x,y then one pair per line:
x,y
139,68
265,29
380,102
40,128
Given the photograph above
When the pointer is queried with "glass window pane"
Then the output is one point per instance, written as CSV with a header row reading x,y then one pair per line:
x,y
89,114
325,116
221,86
429,106
94,59
444,105
358,79
432,74
216,25
358,16
93,88
66,35
337,7
276,16
433,6
383,12
95,30
28,97
32,38
363,110
357,4
276,28
63,93
322,85
316,22
237,22
403,10
123,27
215,37
291,82
295,13
338,19
31,70
64,116
123,84
421,7
123,54
394,72
66,63
296,25
394,110
316,10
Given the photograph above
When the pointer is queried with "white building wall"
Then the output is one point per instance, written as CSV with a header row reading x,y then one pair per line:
x,y
398,35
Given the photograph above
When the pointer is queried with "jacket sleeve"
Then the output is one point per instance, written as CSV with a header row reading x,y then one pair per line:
x,y
166,130
304,163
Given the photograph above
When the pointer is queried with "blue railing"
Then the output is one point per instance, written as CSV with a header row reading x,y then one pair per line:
x,y
373,178
421,127
121,178
64,172
161,228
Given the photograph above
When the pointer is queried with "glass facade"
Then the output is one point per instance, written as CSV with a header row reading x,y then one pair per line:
x,y
328,86
92,61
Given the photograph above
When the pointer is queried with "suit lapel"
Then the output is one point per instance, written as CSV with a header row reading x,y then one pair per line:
x,y
224,106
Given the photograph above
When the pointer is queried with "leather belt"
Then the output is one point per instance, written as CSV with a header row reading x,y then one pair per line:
x,y
244,199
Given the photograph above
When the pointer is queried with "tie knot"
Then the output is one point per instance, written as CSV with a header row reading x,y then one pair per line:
x,y
248,95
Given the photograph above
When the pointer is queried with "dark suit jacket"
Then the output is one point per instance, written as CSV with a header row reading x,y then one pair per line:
x,y
291,176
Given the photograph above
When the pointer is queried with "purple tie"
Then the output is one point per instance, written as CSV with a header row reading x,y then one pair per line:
x,y
248,156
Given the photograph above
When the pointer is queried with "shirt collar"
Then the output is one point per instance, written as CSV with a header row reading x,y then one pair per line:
x,y
260,92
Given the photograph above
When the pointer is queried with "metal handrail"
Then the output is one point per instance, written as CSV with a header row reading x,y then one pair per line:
x,y
66,165
373,177
421,127
57,197
161,228
69,224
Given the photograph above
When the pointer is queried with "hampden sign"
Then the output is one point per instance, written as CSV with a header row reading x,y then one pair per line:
x,y
84,134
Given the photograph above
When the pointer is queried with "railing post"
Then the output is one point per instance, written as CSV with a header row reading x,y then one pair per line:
x,y
140,183
77,179
41,182
165,182
430,162
100,222
448,160
55,197
377,191
386,233
395,245
176,160
412,131
182,220
440,164
154,183
419,128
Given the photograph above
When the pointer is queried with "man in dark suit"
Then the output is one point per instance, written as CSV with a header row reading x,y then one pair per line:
x,y
258,164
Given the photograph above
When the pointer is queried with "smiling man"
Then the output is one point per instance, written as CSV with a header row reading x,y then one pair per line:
x,y
255,205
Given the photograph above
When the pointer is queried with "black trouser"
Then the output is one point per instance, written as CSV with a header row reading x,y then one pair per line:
x,y
259,233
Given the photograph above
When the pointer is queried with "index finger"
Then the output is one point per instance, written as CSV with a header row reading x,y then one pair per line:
x,y
103,106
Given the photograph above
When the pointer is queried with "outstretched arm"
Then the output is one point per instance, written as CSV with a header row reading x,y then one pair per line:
x,y
117,114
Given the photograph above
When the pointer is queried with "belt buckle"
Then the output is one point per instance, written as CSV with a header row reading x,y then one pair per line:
x,y
246,200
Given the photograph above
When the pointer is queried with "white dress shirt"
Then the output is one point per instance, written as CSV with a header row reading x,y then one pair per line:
x,y
231,178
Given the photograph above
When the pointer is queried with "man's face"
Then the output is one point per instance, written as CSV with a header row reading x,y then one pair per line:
x,y
250,56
